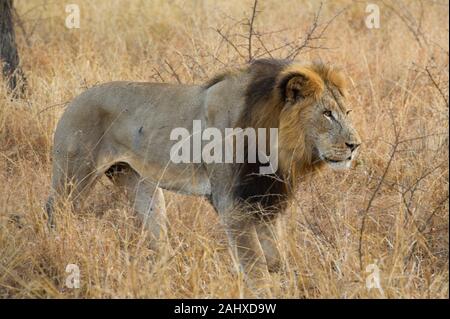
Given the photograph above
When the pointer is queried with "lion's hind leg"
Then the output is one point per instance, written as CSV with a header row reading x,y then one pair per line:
x,y
72,179
147,200
75,161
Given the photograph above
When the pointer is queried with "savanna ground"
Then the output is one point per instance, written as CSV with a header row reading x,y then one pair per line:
x,y
390,211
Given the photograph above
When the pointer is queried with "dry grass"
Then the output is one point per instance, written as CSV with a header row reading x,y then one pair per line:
x,y
391,210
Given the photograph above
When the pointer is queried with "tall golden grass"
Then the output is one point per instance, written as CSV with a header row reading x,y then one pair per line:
x,y
391,210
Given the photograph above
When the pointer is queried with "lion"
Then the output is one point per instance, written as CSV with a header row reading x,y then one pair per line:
x,y
122,129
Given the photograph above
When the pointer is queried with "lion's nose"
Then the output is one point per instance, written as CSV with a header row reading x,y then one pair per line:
x,y
353,146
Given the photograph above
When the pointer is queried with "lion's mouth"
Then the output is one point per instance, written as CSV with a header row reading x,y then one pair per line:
x,y
330,160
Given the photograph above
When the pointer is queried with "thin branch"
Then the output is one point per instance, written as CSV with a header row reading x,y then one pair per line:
x,y
374,194
266,51
250,32
314,34
53,105
158,74
174,73
422,228
410,23
230,43
437,86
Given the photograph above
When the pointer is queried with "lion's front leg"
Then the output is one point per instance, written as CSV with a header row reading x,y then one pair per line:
x,y
239,225
268,233
247,248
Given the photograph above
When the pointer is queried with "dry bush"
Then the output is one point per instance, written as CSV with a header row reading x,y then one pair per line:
x,y
390,210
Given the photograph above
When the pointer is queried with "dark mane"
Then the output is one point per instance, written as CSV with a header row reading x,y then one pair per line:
x,y
266,195
264,75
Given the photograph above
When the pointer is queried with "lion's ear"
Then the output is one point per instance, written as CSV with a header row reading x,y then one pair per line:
x,y
297,86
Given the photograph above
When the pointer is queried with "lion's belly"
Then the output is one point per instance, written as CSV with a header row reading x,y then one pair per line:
x,y
150,157
181,178
197,184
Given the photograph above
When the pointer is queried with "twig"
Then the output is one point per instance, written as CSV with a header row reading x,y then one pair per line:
x,y
258,37
311,34
174,73
410,23
158,74
374,194
230,43
52,106
436,86
250,32
422,228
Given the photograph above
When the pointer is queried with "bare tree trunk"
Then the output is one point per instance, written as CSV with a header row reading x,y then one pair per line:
x,y
9,57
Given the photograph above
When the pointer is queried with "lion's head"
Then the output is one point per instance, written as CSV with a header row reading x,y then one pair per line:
x,y
308,105
314,123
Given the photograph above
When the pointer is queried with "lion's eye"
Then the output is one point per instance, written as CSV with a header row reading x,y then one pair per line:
x,y
328,113
348,112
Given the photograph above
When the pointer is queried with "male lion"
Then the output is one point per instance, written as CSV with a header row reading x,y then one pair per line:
x,y
122,129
